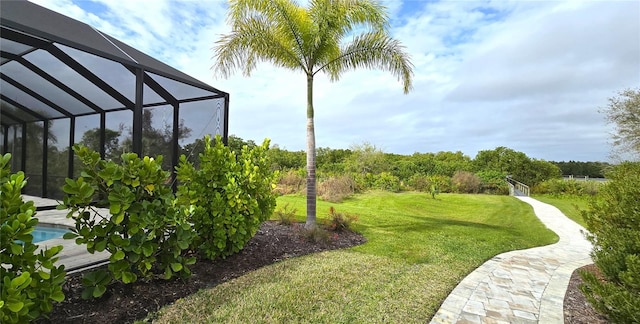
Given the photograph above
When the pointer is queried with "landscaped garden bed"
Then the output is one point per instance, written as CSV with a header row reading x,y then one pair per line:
x,y
127,303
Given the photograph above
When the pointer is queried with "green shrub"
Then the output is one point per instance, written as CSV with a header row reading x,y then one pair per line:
x,y
339,221
419,182
559,187
230,196
466,182
29,280
493,182
386,181
441,182
145,231
336,189
286,216
613,220
591,188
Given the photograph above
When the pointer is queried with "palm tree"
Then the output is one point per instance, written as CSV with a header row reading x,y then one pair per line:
x,y
310,39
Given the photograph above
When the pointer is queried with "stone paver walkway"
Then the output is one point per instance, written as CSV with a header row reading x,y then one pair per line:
x,y
525,286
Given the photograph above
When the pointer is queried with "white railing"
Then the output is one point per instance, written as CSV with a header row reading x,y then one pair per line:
x,y
517,188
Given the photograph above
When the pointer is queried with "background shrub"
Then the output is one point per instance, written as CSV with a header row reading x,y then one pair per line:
x,y
145,231
30,282
441,182
291,182
559,187
493,182
230,195
614,222
418,182
466,182
386,181
337,188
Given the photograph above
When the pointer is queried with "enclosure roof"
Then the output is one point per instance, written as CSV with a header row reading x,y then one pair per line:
x,y
53,66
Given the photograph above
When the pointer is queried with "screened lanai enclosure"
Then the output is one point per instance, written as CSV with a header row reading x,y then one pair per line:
x,y
64,82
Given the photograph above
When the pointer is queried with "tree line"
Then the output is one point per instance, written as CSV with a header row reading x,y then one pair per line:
x,y
366,158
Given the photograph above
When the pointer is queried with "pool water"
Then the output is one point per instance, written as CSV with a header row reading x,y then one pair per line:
x,y
43,233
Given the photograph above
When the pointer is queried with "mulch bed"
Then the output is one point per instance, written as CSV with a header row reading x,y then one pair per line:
x,y
577,309
126,303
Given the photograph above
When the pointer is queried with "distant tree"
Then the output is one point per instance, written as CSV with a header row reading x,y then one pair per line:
x,y
516,164
326,157
311,39
156,140
623,112
236,143
449,163
285,160
588,169
501,159
367,158
91,139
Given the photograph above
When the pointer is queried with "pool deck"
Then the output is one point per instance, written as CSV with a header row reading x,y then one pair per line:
x,y
74,257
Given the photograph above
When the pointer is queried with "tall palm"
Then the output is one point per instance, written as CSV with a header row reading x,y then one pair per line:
x,y
310,39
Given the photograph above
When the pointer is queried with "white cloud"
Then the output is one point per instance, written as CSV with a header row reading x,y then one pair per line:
x,y
525,75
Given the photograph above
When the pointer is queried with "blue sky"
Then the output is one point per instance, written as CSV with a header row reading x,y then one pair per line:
x,y
528,75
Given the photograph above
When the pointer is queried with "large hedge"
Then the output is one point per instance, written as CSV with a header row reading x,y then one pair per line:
x,y
614,222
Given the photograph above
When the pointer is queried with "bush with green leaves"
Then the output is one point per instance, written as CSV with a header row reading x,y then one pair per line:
x,y
559,187
29,279
231,195
493,182
388,182
441,182
613,221
144,230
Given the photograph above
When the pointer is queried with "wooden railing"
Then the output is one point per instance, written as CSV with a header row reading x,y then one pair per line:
x,y
517,188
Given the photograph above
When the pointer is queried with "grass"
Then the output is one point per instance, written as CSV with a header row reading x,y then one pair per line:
x,y
418,249
570,205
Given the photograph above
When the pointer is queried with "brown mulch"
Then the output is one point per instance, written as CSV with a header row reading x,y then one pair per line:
x,y
577,309
272,243
126,303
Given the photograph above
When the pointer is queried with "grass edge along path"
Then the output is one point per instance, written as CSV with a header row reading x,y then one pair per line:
x,y
418,249
570,205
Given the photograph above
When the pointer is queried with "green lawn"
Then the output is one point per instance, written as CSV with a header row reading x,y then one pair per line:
x,y
418,249
568,205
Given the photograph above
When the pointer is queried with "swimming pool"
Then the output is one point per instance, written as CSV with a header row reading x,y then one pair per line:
x,y
44,232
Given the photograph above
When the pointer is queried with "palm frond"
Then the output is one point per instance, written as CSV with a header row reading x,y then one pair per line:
x,y
262,30
372,50
252,41
335,19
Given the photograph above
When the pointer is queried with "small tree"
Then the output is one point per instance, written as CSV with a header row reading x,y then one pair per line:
x,y
311,40
614,223
623,112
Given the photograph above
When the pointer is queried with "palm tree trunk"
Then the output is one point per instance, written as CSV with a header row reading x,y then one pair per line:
x,y
311,158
